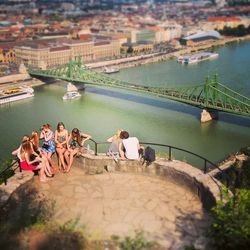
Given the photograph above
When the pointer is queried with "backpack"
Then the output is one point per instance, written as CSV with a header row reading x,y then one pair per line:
x,y
149,155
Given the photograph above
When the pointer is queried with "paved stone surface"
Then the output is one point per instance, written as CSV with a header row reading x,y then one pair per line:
x,y
120,203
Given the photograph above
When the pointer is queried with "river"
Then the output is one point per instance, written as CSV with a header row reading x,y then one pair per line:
x,y
100,112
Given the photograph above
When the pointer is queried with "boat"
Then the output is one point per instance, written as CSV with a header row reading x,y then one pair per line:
x,y
16,94
72,92
110,70
195,58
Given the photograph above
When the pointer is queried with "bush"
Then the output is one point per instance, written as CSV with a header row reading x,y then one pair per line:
x,y
136,243
8,173
239,175
231,226
245,150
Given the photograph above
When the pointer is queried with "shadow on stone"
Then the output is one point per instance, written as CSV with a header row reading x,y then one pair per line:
x,y
192,226
25,208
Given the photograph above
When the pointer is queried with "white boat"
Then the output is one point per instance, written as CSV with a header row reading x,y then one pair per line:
x,y
16,94
110,70
72,92
195,58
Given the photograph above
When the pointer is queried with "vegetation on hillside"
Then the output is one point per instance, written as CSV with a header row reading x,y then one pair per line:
x,y
231,225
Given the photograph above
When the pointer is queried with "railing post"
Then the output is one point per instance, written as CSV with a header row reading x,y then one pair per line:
x,y
205,166
5,179
169,153
95,148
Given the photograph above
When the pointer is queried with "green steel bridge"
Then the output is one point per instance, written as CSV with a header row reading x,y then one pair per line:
x,y
210,96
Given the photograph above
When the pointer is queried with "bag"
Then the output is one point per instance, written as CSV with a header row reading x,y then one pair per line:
x,y
149,155
73,145
32,158
45,146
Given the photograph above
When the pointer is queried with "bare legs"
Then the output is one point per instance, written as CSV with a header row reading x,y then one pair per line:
x,y
69,156
60,152
41,172
47,156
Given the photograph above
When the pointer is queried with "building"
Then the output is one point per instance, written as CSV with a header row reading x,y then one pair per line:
x,y
53,53
83,48
200,38
141,46
220,22
42,55
106,49
168,33
7,54
128,33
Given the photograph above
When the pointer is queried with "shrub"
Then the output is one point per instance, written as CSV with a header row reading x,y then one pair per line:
x,y
8,173
231,226
245,150
136,243
239,175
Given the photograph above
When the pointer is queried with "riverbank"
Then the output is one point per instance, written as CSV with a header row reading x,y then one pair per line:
x,y
13,82
160,56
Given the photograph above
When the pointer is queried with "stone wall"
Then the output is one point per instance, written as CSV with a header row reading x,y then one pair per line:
x,y
205,186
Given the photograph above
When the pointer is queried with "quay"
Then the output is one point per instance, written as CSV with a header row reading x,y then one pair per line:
x,y
138,60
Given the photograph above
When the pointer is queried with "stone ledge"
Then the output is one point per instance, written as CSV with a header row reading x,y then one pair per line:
x,y
13,183
205,186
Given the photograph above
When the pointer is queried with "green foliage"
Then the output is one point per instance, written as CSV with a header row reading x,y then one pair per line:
x,y
130,49
7,173
190,247
240,30
64,236
239,175
137,243
231,226
245,150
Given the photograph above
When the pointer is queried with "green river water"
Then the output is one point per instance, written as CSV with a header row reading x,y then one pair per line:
x,y
100,112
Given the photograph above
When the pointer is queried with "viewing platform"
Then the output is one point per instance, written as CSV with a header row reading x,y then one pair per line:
x,y
168,200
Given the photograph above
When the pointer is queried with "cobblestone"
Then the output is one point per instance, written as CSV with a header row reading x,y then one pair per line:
x,y
120,203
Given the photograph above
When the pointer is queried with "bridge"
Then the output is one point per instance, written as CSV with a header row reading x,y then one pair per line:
x,y
211,96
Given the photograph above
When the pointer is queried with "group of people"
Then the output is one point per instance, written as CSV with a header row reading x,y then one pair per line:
x,y
124,146
33,157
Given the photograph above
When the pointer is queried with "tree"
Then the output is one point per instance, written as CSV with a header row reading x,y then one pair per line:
x,y
231,226
130,49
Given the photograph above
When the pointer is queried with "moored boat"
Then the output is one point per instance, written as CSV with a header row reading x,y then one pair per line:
x,y
110,70
195,58
16,94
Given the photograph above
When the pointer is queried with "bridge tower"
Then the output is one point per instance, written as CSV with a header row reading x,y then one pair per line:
x,y
207,114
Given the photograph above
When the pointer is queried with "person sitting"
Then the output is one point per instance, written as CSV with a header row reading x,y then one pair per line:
x,y
130,145
48,147
115,140
38,152
29,161
75,142
17,151
61,139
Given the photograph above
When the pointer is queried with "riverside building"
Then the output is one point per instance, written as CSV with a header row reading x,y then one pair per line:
x,y
52,53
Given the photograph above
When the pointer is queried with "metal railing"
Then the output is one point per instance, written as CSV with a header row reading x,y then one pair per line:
x,y
170,148
5,173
